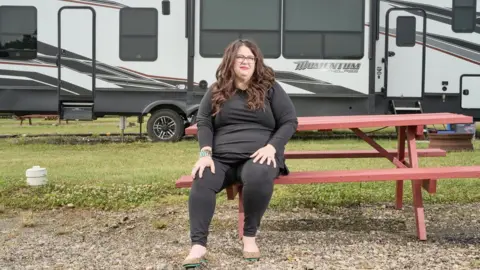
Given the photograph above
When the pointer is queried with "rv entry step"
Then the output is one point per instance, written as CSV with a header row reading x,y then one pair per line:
x,y
76,110
405,106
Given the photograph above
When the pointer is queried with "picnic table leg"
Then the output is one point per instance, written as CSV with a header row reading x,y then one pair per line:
x,y
379,148
416,185
241,213
413,163
401,158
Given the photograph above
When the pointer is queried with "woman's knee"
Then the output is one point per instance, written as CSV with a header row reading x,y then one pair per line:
x,y
256,173
206,183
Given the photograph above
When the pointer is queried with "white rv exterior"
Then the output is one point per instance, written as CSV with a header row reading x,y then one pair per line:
x,y
329,55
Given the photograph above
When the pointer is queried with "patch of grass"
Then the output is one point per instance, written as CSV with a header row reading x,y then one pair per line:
x,y
28,219
160,224
114,176
41,126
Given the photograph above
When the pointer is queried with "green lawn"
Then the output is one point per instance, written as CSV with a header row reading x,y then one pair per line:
x,y
41,126
112,176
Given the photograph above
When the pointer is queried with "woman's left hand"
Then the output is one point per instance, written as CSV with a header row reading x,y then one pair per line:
x,y
265,153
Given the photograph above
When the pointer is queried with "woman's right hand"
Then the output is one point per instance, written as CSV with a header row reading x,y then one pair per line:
x,y
201,164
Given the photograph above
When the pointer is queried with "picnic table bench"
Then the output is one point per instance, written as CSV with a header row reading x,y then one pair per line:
x,y
30,116
408,126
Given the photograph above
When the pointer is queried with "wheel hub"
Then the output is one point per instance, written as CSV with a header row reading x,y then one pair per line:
x,y
164,127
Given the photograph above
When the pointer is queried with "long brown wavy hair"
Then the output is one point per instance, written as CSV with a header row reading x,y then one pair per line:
x,y
262,78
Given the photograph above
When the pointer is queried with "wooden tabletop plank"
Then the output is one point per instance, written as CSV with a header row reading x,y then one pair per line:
x,y
370,121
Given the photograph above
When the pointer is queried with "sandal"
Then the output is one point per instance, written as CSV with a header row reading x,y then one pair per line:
x,y
251,256
194,262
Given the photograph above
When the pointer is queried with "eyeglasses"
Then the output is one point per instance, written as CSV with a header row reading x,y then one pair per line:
x,y
241,58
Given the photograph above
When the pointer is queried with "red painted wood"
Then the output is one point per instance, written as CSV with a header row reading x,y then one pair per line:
x,y
379,148
232,191
432,152
401,156
416,185
419,134
369,121
430,185
368,175
365,175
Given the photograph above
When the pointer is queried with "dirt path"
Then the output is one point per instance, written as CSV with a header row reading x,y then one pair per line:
x,y
367,237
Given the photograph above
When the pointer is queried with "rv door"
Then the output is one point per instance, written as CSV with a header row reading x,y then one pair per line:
x,y
404,57
76,51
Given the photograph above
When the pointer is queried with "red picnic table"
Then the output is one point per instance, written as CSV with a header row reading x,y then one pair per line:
x,y
409,127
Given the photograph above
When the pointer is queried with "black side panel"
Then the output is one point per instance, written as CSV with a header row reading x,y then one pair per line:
x,y
320,106
114,101
28,101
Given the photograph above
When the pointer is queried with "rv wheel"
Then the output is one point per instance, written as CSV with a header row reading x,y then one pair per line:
x,y
165,125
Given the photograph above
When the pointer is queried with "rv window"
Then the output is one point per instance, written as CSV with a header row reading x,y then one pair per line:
x,y
18,32
406,31
138,34
323,29
464,16
224,21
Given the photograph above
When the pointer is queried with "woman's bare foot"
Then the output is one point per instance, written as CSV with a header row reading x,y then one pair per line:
x,y
250,249
249,244
197,251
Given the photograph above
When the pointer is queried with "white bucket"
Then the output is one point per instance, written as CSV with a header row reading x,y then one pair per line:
x,y
36,176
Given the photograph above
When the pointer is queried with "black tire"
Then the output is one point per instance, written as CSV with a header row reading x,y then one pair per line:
x,y
165,125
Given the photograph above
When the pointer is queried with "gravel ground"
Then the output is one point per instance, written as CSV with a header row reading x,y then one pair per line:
x,y
367,237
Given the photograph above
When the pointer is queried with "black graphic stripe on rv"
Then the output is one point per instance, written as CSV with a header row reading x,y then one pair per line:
x,y
47,49
75,64
441,19
96,3
455,47
316,87
326,90
9,83
135,83
291,76
51,52
84,66
462,43
122,77
433,12
112,3
80,63
427,8
67,88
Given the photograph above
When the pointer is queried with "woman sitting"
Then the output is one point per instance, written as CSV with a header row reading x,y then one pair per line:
x,y
244,122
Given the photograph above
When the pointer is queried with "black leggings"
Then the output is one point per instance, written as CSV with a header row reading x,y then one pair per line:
x,y
257,180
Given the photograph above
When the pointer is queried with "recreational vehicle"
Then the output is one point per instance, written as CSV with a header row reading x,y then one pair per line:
x,y
85,59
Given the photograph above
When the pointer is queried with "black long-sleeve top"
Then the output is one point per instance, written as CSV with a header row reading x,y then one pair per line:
x,y
236,132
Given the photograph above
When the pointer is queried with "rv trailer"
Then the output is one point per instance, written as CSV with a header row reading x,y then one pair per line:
x,y
85,59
